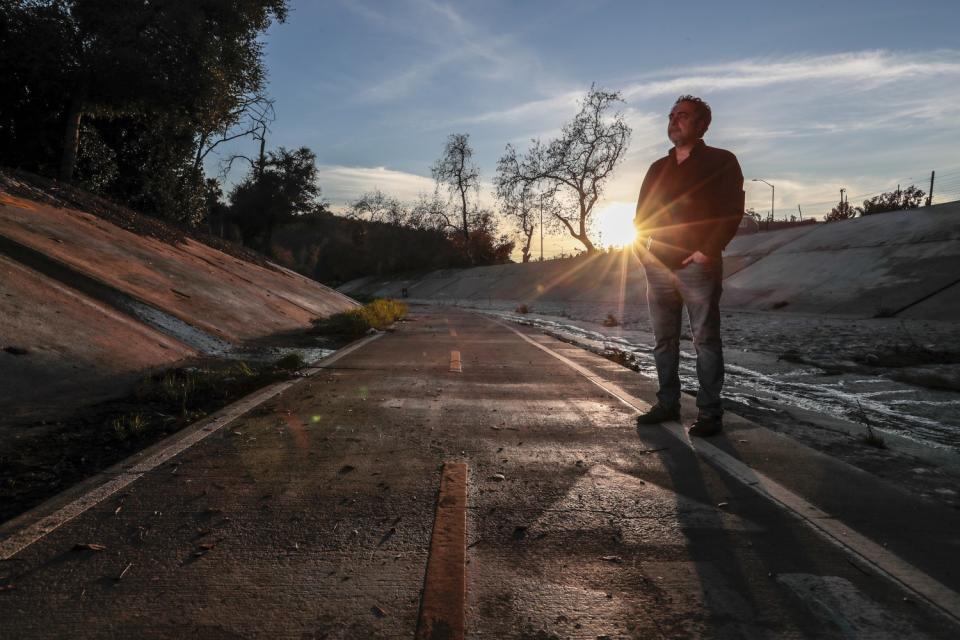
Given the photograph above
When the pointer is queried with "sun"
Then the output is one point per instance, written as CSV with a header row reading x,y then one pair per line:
x,y
615,224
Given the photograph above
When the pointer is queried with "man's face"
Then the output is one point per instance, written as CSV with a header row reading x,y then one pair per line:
x,y
684,127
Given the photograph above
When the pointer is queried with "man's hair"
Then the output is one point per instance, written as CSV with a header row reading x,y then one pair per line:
x,y
702,109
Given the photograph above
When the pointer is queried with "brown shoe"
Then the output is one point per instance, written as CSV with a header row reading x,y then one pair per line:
x,y
706,426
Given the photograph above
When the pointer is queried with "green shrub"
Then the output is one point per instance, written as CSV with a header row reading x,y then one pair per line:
x,y
523,309
379,314
290,362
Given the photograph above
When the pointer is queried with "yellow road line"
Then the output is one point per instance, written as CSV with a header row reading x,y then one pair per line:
x,y
445,585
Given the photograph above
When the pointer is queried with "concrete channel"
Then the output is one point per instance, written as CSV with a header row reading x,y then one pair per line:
x,y
315,512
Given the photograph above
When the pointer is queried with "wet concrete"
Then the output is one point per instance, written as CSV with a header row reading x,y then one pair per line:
x,y
311,516
793,367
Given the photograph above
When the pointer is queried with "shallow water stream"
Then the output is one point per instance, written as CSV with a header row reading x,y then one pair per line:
x,y
927,416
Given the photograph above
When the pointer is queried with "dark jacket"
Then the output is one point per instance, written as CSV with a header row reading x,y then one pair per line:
x,y
693,206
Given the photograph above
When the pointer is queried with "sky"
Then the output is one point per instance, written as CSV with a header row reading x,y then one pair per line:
x,y
812,97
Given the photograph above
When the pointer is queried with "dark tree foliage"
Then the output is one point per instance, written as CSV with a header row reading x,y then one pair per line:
x,y
334,249
483,246
370,240
283,188
125,94
899,200
843,211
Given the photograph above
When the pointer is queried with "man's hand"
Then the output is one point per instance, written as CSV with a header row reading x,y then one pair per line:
x,y
696,256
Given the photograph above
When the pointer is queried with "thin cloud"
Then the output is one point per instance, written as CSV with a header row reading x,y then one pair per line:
x,y
343,184
552,108
365,12
454,43
863,70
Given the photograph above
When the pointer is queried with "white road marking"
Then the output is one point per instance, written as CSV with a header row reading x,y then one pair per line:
x,y
176,444
839,603
927,589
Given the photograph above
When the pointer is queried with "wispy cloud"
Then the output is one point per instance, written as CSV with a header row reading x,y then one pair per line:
x,y
809,123
863,70
448,42
344,184
557,107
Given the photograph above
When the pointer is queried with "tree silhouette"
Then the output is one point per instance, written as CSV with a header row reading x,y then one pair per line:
x,y
899,200
574,167
457,171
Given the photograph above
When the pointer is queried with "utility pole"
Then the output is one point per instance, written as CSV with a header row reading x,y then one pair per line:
x,y
800,211
930,197
541,227
843,209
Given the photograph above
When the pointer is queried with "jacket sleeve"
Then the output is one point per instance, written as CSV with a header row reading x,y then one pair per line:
x,y
647,202
729,209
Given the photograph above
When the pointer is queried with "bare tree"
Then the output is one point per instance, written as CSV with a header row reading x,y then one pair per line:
x,y
525,207
460,175
377,206
575,166
430,212
252,116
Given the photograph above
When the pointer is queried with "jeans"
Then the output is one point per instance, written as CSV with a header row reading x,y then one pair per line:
x,y
698,287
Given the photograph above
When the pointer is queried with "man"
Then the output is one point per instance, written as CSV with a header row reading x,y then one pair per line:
x,y
690,204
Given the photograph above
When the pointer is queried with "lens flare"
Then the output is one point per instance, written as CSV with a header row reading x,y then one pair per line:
x,y
615,223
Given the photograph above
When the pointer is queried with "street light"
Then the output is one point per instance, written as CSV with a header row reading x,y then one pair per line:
x,y
773,191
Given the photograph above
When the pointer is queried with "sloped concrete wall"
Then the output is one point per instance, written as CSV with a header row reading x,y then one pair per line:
x,y
205,288
66,341
899,263
876,265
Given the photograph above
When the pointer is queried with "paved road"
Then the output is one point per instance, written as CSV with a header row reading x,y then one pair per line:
x,y
310,516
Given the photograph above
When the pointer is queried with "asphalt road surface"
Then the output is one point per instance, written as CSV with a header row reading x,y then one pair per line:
x,y
461,476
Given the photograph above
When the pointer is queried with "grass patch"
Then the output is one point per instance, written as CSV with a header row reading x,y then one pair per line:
x,y
131,425
523,309
379,314
194,389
